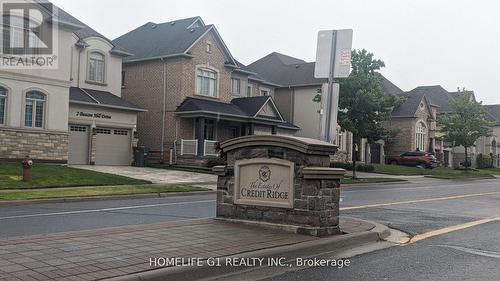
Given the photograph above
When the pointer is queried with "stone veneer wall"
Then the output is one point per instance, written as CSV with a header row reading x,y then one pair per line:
x,y
316,192
48,146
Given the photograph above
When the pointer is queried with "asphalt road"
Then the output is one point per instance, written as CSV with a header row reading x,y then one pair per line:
x,y
471,253
70,216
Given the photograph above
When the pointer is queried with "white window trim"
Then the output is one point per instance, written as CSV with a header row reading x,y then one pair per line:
x,y
249,94
105,67
217,78
420,137
239,86
264,89
45,109
6,109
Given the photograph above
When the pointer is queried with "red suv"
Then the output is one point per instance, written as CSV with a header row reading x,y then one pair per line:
x,y
414,158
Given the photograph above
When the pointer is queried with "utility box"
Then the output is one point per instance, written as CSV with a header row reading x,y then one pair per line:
x,y
141,156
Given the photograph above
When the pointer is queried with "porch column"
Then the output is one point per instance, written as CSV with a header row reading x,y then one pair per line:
x,y
200,134
250,129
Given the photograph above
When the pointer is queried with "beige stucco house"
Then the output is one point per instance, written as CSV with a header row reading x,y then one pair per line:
x,y
73,113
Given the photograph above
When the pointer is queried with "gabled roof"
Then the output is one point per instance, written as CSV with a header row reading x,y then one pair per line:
x,y
285,70
80,29
436,96
100,98
494,112
174,38
240,108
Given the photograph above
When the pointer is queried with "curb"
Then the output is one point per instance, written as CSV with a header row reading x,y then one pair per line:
x,y
289,252
102,198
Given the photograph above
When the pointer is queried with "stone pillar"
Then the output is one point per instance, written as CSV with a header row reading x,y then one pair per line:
x,y
282,180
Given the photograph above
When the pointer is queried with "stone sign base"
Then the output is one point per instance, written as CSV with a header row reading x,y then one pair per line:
x,y
308,201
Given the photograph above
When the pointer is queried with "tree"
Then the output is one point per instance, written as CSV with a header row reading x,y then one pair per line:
x,y
363,104
466,122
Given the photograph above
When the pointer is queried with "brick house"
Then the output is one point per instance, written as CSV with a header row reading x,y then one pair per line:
x,y
195,92
417,120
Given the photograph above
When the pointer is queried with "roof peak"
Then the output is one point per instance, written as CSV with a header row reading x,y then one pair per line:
x,y
286,59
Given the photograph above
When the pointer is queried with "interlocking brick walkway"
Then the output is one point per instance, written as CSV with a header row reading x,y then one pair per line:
x,y
104,253
110,252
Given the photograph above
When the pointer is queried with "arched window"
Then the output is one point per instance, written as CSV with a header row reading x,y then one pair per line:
x,y
420,135
3,105
206,82
34,111
96,67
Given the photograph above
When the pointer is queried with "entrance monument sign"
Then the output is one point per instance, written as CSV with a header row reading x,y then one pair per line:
x,y
283,181
264,182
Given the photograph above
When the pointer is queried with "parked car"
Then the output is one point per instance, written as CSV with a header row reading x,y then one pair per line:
x,y
414,158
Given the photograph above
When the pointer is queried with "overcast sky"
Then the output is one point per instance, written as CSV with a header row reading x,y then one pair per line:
x,y
426,42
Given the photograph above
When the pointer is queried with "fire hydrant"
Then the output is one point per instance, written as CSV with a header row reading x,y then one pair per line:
x,y
27,165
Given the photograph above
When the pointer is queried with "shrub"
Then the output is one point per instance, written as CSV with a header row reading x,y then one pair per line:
x,y
484,161
348,166
214,161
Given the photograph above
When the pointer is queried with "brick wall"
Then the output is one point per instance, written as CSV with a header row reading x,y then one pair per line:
x,y
405,139
40,145
144,86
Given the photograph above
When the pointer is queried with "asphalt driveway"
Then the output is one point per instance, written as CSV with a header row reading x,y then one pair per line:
x,y
155,175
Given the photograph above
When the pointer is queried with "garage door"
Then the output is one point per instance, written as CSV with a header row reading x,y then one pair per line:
x,y
78,147
113,147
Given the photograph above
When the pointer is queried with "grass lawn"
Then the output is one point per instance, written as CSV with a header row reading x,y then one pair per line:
x,y
45,175
440,172
348,180
95,191
495,171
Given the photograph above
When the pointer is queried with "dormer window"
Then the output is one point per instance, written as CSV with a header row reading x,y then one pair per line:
x,y
96,66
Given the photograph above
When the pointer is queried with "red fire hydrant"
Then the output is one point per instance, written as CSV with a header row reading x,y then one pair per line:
x,y
27,165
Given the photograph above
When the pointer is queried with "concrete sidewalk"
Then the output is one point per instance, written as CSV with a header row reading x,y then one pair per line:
x,y
154,175
121,251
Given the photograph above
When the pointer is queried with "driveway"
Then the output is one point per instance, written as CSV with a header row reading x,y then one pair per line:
x,y
155,175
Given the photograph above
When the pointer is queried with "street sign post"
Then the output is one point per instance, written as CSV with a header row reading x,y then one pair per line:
x,y
333,60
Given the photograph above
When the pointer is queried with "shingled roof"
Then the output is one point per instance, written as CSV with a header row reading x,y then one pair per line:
x,y
82,30
285,70
169,39
241,108
100,98
494,112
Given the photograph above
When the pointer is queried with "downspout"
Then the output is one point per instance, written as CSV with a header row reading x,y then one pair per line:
x,y
164,78
80,50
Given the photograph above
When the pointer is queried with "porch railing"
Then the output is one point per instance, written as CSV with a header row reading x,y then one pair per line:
x,y
209,148
189,147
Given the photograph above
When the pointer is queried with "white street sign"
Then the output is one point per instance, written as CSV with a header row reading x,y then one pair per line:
x,y
333,60
333,51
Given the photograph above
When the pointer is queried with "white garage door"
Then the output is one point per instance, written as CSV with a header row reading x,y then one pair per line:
x,y
113,147
78,147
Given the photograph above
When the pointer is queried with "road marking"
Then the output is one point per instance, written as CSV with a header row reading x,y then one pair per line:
x,y
105,209
478,252
449,229
418,201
